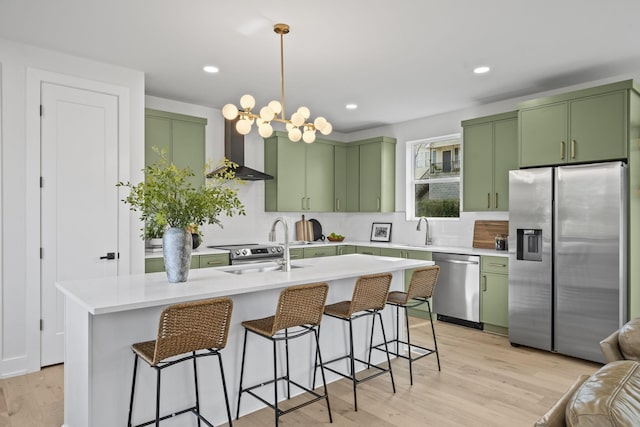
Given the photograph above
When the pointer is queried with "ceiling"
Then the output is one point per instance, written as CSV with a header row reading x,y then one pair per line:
x,y
398,60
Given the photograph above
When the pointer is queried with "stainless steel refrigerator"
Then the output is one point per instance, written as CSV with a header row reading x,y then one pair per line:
x,y
567,257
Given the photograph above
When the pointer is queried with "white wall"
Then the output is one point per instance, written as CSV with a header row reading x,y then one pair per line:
x,y
19,346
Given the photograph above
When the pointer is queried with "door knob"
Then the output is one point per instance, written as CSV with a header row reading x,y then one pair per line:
x,y
110,255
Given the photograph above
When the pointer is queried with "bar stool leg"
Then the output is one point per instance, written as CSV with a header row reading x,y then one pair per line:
x,y
224,388
386,349
275,382
353,366
373,324
244,349
324,381
158,373
406,318
433,331
195,379
286,349
397,339
133,388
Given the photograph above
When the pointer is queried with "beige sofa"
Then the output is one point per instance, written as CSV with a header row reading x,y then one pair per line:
x,y
623,344
610,397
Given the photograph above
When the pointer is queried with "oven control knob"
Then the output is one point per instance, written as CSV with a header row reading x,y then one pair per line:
x,y
237,252
279,249
245,252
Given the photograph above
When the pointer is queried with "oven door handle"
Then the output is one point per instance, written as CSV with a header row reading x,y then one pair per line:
x,y
254,261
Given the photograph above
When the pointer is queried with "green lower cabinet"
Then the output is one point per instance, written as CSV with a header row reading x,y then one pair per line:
x,y
345,249
367,250
296,253
494,295
392,252
315,252
212,260
153,265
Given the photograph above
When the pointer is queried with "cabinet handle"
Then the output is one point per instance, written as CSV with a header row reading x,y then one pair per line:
x,y
573,148
488,200
215,262
378,203
484,283
308,203
496,204
495,264
302,203
337,204
561,150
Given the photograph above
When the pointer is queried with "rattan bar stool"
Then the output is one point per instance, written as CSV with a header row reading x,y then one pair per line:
x,y
369,298
423,282
199,328
298,313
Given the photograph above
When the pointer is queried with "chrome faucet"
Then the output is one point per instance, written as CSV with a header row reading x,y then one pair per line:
x,y
286,262
427,238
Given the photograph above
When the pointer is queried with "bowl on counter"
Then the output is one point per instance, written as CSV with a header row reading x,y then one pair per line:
x,y
335,239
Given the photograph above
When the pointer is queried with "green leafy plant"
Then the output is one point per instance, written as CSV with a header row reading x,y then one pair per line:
x,y
167,199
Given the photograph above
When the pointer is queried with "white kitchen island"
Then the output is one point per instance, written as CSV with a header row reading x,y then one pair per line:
x,y
103,317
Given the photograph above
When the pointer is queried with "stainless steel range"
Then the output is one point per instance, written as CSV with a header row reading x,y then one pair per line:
x,y
252,253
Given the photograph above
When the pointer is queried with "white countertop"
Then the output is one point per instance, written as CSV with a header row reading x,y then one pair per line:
x,y
121,293
465,250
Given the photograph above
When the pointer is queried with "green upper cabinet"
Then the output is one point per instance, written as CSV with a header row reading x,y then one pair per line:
x,y
330,176
576,127
377,178
353,178
340,181
490,152
303,175
183,138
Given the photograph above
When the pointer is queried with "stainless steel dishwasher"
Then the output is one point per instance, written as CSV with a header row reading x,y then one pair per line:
x,y
456,298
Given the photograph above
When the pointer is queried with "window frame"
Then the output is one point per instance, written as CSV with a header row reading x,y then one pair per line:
x,y
410,198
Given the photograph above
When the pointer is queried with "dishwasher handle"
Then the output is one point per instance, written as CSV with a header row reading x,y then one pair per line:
x,y
457,261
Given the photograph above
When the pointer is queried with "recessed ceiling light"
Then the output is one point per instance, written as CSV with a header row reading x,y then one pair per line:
x,y
210,69
481,70
351,106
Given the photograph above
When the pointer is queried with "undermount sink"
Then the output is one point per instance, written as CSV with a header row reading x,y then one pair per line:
x,y
258,268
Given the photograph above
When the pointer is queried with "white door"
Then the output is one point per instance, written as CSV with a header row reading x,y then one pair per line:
x,y
79,199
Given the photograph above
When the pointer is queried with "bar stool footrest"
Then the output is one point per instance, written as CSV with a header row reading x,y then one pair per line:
x,y
317,396
381,371
427,351
175,414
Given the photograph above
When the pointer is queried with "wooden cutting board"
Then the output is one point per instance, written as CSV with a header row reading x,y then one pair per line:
x,y
485,232
304,230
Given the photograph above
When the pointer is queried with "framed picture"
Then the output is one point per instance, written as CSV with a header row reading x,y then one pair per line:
x,y
381,232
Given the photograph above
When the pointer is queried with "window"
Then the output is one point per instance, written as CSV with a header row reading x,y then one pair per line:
x,y
433,177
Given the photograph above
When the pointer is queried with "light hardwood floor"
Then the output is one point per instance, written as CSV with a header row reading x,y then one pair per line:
x,y
484,382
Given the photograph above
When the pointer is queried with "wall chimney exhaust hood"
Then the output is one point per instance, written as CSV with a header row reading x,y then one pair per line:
x,y
234,151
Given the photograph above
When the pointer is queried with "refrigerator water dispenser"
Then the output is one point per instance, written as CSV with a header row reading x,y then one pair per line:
x,y
529,244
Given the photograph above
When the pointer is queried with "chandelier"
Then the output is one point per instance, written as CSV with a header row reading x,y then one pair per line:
x,y
297,126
